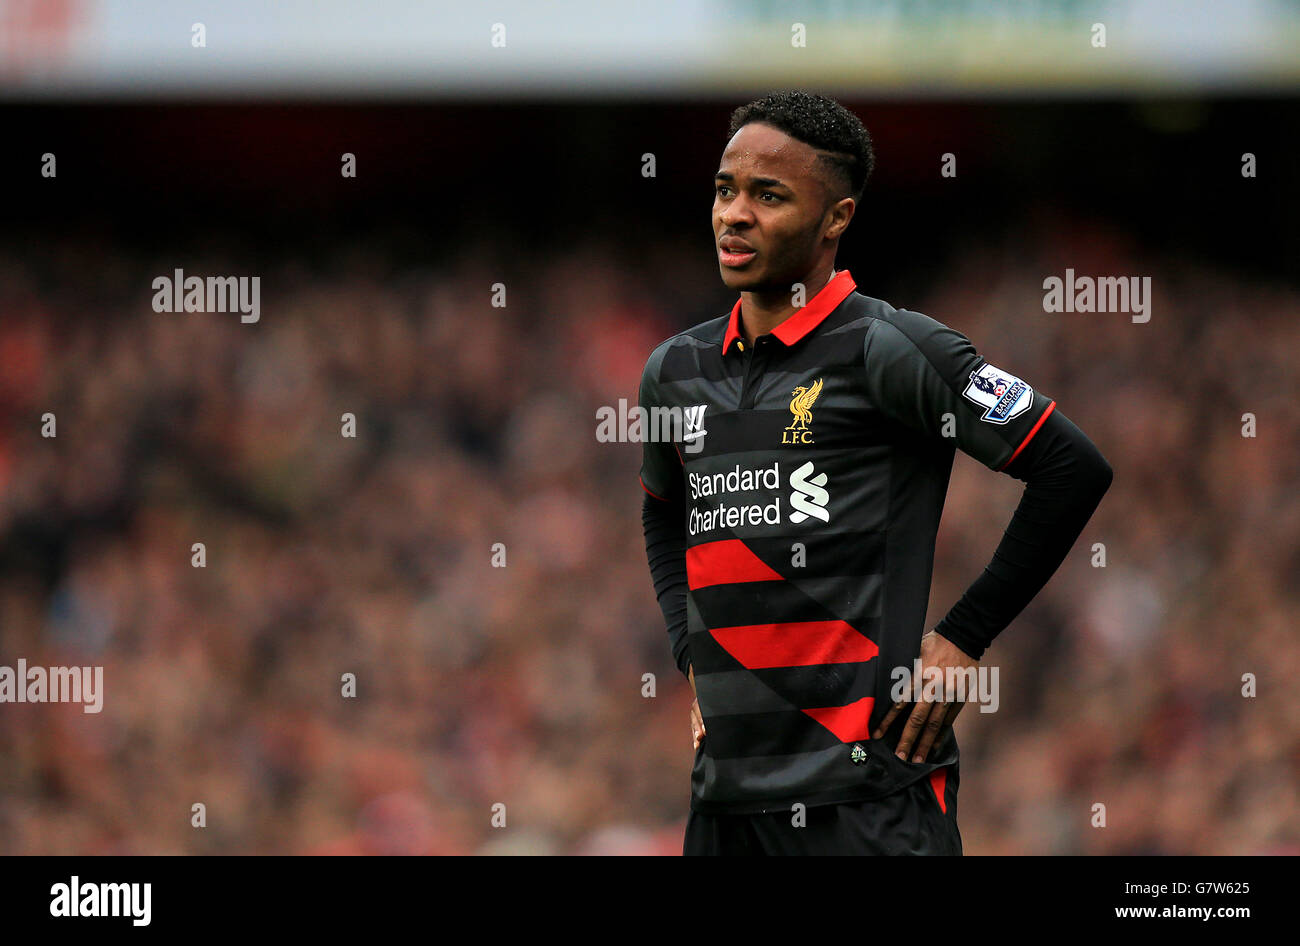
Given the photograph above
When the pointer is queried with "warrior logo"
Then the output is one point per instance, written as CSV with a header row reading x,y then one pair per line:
x,y
694,417
801,407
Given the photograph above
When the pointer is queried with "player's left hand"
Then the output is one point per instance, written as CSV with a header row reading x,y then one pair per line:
x,y
928,718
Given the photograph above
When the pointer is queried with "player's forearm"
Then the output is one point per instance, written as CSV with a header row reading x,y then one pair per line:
x,y
1067,477
665,546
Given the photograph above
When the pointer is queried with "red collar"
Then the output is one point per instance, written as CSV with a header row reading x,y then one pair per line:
x,y
803,320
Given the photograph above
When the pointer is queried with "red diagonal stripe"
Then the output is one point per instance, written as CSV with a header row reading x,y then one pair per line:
x,y
725,562
850,723
795,644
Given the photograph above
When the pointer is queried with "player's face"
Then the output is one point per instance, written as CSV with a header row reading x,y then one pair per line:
x,y
768,209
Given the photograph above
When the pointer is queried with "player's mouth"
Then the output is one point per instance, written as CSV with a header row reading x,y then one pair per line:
x,y
735,252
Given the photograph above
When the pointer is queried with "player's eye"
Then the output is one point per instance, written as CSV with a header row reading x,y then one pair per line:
x,y
770,194
720,188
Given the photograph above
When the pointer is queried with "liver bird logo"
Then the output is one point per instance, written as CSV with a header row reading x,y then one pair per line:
x,y
801,407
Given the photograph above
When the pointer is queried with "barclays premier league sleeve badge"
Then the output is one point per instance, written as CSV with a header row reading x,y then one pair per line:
x,y
1003,396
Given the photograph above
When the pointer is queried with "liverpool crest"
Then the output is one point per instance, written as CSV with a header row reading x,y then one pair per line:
x,y
801,407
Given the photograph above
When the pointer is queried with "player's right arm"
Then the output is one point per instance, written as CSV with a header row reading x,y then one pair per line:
x,y
663,516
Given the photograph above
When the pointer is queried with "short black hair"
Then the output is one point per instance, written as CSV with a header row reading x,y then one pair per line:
x,y
821,123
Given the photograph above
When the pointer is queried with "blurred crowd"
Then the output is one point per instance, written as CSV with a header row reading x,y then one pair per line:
x,y
473,556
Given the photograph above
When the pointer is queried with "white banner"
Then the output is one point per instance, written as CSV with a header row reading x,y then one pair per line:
x,y
463,49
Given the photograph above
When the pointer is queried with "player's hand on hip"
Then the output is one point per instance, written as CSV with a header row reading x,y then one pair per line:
x,y
928,717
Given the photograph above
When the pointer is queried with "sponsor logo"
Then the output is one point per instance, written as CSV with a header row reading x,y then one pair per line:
x,y
801,407
723,485
809,497
724,488
1003,396
858,755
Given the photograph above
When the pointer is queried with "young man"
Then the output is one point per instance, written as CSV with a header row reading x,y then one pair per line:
x,y
790,521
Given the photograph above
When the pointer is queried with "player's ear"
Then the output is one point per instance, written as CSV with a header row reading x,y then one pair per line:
x,y
838,217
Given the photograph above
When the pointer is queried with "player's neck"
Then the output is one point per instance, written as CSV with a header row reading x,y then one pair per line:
x,y
761,312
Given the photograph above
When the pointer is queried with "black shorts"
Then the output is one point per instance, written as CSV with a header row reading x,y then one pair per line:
x,y
919,819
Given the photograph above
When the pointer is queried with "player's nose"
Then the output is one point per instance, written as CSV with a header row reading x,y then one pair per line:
x,y
736,212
